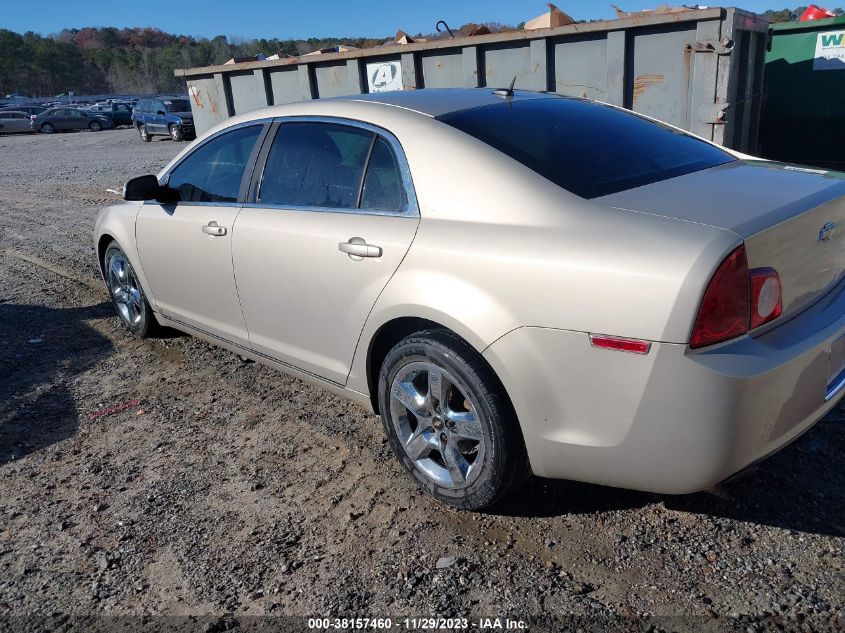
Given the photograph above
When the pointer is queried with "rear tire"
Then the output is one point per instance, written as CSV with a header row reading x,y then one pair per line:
x,y
128,298
176,133
144,134
47,128
449,421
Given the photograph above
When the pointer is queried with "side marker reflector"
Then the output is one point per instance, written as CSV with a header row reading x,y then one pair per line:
x,y
635,346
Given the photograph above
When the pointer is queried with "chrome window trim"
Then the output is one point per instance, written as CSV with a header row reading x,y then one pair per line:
x,y
411,208
835,387
189,203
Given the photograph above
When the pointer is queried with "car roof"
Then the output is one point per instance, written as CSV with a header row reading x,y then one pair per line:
x,y
435,102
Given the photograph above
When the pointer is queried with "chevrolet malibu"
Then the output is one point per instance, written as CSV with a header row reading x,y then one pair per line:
x,y
514,282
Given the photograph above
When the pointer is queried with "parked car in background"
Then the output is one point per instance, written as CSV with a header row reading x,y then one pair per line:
x,y
164,117
14,122
29,109
64,119
119,113
596,294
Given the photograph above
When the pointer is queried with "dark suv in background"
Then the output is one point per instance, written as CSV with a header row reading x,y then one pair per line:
x,y
164,116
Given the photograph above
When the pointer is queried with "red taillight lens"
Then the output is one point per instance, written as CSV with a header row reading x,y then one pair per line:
x,y
32,117
725,309
766,296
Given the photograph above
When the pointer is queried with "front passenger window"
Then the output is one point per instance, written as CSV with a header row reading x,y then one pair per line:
x,y
213,173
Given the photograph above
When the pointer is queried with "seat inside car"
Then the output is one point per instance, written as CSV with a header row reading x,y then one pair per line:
x,y
308,169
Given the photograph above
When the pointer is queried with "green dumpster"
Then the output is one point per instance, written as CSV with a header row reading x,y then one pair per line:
x,y
803,118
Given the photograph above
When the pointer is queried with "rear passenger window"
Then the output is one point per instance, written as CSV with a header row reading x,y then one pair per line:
x,y
315,165
213,173
383,187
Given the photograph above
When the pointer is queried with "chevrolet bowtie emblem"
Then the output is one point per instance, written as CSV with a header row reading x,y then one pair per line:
x,y
827,232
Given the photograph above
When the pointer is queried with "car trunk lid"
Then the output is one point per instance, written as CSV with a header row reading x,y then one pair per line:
x,y
791,218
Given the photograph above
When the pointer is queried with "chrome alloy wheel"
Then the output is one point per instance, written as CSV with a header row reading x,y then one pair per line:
x,y
437,423
124,288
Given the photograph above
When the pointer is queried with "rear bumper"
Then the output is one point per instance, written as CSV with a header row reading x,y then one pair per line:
x,y
675,420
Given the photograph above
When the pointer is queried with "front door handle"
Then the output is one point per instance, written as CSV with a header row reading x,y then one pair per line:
x,y
212,228
357,248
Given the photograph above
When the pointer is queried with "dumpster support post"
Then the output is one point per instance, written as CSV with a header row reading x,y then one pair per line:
x,y
470,57
539,66
409,71
616,68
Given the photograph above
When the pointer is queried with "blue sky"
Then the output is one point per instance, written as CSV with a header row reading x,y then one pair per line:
x,y
302,19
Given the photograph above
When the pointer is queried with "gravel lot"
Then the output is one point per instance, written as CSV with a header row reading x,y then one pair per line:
x,y
167,478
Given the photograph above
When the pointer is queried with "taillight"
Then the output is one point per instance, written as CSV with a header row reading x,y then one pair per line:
x,y
32,117
736,300
724,311
766,296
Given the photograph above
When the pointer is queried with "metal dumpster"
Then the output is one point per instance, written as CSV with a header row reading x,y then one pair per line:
x,y
701,70
804,114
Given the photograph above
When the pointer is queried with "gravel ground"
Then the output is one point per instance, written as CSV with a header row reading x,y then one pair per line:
x,y
166,478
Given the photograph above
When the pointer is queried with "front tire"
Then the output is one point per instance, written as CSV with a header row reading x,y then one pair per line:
x,y
144,134
176,133
449,421
127,296
95,126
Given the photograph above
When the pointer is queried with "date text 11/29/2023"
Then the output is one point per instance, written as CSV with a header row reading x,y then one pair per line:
x,y
417,624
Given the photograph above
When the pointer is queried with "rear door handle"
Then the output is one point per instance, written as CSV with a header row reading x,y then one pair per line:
x,y
357,248
212,228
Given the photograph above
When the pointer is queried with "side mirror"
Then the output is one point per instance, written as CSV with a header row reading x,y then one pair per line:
x,y
145,188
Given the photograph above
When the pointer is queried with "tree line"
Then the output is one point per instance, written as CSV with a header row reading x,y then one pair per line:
x,y
142,60
138,60
126,61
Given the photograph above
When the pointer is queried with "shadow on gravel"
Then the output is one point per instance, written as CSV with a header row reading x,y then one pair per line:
x,y
801,488
41,349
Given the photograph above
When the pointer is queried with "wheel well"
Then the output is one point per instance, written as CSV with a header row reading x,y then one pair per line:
x,y
383,341
394,331
102,245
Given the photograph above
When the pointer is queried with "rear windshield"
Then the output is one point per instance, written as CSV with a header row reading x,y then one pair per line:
x,y
587,148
